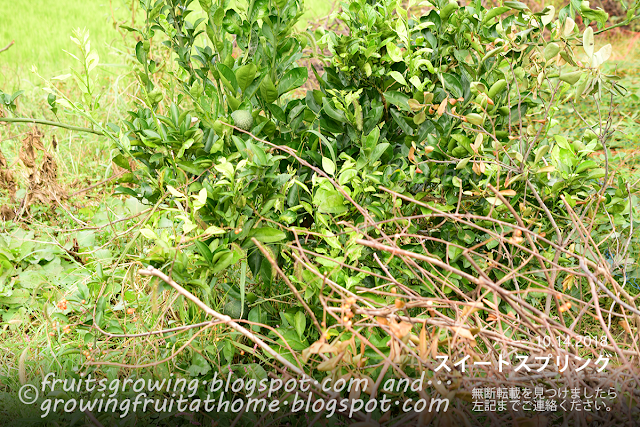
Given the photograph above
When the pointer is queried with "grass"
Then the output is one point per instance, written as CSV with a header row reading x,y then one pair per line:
x,y
41,30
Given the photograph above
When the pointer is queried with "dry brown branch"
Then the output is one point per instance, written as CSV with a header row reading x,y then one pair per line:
x,y
7,46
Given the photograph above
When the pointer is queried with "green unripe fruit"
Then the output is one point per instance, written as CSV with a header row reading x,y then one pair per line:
x,y
482,99
477,87
243,119
218,127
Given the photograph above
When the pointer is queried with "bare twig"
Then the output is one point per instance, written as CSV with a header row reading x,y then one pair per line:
x,y
7,46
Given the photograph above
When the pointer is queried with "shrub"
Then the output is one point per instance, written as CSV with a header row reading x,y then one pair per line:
x,y
425,183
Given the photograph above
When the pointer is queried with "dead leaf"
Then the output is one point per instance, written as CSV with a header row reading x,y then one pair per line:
x,y
478,168
442,108
625,325
462,332
400,330
330,364
422,344
6,213
412,157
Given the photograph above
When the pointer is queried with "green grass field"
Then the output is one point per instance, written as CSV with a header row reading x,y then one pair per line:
x,y
41,30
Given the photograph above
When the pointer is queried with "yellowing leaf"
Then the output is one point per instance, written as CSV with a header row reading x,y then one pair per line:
x,y
412,156
625,325
149,234
477,143
588,43
214,230
494,201
422,345
548,17
547,169
567,283
174,192
414,105
601,56
478,168
569,25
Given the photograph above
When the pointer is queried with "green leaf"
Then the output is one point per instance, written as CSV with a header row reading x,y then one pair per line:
x,y
268,234
453,252
300,322
295,342
121,161
397,117
141,55
333,112
277,112
149,234
328,166
378,151
399,99
257,315
212,229
600,16
243,284
204,250
394,52
199,365
495,12
228,77
293,79
245,75
268,90
516,5
452,85
329,201
398,77
223,262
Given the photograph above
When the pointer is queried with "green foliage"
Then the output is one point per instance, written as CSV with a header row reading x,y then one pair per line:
x,y
437,107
